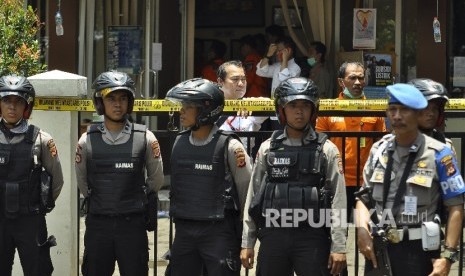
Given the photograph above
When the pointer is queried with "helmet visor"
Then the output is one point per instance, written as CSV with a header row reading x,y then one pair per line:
x,y
285,100
173,102
24,96
106,91
176,102
437,97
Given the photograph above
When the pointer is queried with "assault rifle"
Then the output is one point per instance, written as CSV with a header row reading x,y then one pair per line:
x,y
380,240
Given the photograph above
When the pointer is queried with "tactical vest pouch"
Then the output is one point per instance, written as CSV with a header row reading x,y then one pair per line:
x,y
46,193
11,199
280,198
296,194
311,199
282,166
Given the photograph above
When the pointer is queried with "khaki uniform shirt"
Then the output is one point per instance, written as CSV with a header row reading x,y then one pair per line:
x,y
44,148
334,172
434,174
153,160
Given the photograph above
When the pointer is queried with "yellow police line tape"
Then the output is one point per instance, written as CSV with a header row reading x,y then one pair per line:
x,y
66,104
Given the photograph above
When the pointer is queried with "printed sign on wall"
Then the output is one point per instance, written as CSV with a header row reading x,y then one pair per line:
x,y
364,36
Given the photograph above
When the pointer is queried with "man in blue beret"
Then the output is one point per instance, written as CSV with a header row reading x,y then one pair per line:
x,y
406,175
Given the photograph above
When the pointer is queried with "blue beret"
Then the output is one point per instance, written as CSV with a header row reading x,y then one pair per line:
x,y
408,95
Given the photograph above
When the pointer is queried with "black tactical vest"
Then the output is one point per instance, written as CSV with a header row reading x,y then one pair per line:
x,y
115,173
201,186
20,176
295,174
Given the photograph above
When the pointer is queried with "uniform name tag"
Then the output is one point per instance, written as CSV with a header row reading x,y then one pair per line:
x,y
410,206
124,165
282,161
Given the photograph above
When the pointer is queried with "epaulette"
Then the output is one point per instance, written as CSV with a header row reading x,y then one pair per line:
x,y
434,144
139,128
94,128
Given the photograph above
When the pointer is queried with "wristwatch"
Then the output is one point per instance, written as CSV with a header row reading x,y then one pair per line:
x,y
451,255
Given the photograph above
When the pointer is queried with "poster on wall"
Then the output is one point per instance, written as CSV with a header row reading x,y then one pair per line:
x,y
378,69
364,36
124,49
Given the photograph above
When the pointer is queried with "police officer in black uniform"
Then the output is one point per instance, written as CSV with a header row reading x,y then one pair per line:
x,y
30,181
296,171
118,165
209,186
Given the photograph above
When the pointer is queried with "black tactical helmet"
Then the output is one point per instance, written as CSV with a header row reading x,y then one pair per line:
x,y
207,95
433,91
21,87
430,89
111,81
296,88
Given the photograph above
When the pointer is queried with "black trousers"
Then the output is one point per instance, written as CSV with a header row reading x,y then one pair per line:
x,y
122,239
216,245
284,251
25,234
408,258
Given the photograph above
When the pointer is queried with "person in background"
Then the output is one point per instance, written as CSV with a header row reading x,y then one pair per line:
x,y
319,72
233,82
273,33
407,175
285,66
119,169
28,156
256,86
209,187
291,169
215,57
352,81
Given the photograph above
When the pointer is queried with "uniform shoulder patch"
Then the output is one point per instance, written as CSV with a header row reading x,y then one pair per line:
x,y
447,162
240,157
52,148
435,144
78,157
156,149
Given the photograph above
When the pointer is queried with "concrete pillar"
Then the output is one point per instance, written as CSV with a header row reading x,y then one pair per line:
x,y
63,126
